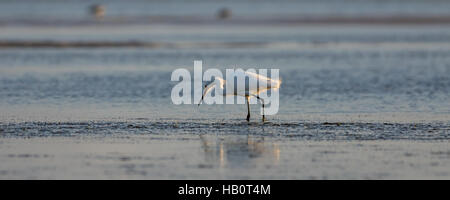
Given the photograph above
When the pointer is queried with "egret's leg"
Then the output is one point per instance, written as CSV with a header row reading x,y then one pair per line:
x,y
262,103
248,109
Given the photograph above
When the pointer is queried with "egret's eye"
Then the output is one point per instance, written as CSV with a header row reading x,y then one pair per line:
x,y
205,86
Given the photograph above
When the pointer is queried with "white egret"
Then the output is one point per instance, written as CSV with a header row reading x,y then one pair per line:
x,y
220,88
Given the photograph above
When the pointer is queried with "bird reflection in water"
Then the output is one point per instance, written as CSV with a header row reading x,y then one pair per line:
x,y
235,151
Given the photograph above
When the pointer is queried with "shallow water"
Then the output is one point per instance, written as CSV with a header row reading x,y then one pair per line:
x,y
362,73
74,9
357,102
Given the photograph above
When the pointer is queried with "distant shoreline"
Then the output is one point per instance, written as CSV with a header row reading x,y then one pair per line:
x,y
4,44
119,44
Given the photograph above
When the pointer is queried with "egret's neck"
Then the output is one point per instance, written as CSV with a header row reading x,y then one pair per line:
x,y
220,85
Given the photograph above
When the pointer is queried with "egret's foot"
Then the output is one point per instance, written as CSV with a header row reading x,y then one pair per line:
x,y
248,118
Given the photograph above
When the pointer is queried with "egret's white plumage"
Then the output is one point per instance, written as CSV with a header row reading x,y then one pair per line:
x,y
264,84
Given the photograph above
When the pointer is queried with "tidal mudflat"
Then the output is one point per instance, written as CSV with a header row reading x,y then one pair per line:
x,y
224,150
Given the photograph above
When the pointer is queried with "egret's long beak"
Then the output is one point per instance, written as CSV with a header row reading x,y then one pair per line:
x,y
200,101
205,91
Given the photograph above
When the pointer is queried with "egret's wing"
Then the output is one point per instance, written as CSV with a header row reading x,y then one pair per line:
x,y
265,83
251,87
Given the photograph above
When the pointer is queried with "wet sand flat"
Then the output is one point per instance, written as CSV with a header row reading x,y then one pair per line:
x,y
171,150
135,156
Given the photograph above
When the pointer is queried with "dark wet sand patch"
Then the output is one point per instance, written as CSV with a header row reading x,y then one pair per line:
x,y
296,130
